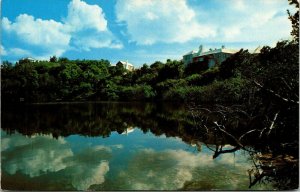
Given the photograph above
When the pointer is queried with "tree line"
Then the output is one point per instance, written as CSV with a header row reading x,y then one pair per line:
x,y
236,80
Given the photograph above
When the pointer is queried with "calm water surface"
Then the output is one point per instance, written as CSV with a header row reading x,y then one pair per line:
x,y
111,146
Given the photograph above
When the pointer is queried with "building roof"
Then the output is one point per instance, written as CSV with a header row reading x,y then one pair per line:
x,y
128,130
125,63
257,49
191,52
221,50
212,51
28,58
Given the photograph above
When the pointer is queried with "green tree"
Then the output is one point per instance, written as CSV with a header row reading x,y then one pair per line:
x,y
63,60
196,67
228,67
53,59
137,92
294,18
145,69
171,70
119,70
69,78
28,77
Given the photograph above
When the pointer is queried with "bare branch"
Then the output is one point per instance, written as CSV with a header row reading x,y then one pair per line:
x,y
276,94
262,131
253,130
237,141
272,124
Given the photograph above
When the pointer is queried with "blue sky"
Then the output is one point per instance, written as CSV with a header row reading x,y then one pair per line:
x,y
140,31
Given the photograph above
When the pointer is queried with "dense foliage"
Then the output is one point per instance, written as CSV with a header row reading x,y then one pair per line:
x,y
236,80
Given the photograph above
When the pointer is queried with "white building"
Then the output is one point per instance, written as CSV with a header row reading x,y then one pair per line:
x,y
128,130
126,65
28,59
212,56
188,58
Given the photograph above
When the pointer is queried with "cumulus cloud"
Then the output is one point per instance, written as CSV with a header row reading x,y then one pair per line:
x,y
88,27
38,31
171,21
47,35
174,21
85,27
83,16
148,22
253,21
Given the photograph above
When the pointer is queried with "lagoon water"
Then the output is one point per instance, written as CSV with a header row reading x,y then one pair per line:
x,y
113,146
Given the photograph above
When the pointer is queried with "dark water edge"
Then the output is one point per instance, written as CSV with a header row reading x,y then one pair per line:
x,y
104,120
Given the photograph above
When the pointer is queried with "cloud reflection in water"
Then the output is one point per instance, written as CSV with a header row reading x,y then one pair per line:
x,y
133,162
41,154
172,169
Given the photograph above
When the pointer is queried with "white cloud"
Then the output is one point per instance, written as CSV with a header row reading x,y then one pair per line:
x,y
83,16
37,31
176,21
253,21
19,52
85,27
171,21
88,27
2,51
238,5
95,40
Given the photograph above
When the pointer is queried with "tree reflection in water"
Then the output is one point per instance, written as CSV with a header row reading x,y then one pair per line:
x,y
273,149
274,160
